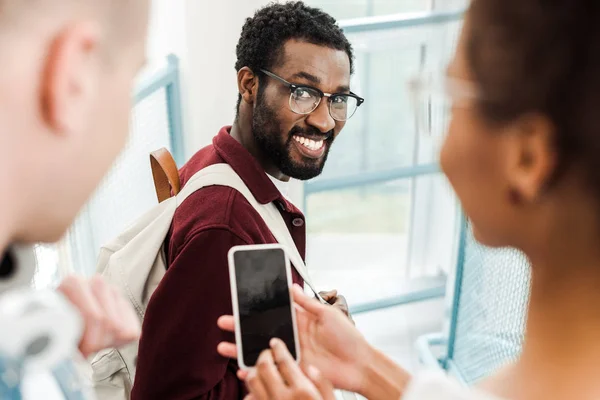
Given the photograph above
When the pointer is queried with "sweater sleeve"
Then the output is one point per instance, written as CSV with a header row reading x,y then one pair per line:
x,y
178,357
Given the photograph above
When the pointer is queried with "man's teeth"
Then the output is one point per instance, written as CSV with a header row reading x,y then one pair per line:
x,y
309,143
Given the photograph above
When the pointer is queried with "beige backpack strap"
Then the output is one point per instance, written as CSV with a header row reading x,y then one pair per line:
x,y
224,175
164,173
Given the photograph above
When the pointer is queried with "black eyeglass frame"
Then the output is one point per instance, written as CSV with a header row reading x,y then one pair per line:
x,y
293,87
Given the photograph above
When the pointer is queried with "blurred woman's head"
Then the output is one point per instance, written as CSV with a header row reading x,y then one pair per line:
x,y
523,154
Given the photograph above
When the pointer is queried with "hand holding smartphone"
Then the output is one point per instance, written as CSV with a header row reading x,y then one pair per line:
x,y
261,280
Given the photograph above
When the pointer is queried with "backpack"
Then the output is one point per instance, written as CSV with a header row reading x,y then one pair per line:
x,y
135,261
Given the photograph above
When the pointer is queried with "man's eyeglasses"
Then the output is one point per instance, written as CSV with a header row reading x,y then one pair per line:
x,y
305,99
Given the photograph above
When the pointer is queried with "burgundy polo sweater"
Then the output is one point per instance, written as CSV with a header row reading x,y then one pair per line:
x,y
178,357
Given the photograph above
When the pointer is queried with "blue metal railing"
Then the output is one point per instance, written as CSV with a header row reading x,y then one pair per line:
x,y
397,21
434,290
446,341
369,178
462,244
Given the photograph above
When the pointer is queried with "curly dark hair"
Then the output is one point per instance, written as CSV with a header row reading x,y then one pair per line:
x,y
542,56
264,35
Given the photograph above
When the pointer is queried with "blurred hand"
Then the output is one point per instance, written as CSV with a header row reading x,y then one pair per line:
x,y
337,301
328,341
109,319
278,376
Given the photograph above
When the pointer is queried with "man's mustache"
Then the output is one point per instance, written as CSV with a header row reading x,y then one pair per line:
x,y
311,132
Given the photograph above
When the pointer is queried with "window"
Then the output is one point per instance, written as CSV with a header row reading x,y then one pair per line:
x,y
346,9
381,215
365,8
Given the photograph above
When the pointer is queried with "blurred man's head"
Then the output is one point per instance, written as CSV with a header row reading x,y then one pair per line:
x,y
65,92
293,126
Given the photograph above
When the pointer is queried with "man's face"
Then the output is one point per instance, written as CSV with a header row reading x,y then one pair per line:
x,y
297,144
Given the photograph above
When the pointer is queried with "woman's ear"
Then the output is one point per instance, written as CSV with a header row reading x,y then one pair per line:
x,y
532,156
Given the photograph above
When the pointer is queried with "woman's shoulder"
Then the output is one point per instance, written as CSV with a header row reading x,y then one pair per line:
x,y
437,385
500,383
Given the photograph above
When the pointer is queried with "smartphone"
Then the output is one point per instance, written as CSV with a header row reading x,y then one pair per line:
x,y
261,280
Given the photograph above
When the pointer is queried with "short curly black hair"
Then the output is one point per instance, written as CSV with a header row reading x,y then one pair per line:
x,y
264,35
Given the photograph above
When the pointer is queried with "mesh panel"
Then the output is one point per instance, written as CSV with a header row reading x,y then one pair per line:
x,y
491,311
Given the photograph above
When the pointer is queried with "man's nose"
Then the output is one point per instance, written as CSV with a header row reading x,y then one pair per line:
x,y
320,118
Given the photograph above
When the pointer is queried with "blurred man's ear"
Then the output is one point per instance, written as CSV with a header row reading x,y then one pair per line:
x,y
70,78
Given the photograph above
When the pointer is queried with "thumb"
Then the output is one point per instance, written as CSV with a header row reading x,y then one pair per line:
x,y
323,385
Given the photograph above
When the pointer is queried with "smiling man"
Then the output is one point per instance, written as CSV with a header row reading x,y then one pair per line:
x,y
293,73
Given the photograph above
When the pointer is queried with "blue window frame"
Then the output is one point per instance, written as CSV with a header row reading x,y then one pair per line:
x,y
380,177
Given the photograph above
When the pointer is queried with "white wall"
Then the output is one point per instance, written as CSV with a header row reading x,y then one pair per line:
x,y
212,30
167,29
203,34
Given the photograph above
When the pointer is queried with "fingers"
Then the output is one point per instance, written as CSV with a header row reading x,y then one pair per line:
x,y
105,298
342,300
121,323
130,328
307,303
269,375
329,296
226,323
79,294
290,371
277,376
342,304
227,350
303,321
242,374
109,319
322,384
256,386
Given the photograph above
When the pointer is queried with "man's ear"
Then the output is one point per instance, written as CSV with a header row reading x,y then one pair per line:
x,y
70,78
247,85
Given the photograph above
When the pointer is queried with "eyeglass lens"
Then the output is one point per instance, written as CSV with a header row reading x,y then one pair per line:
x,y
305,100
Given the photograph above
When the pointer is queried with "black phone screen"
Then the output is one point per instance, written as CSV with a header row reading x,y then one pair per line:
x,y
264,304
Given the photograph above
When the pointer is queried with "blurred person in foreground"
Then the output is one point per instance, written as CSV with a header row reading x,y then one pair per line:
x,y
522,153
65,96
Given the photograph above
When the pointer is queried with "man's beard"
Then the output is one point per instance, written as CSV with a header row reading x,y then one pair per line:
x,y
268,137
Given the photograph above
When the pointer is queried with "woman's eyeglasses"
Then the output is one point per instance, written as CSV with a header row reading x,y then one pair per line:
x,y
433,97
